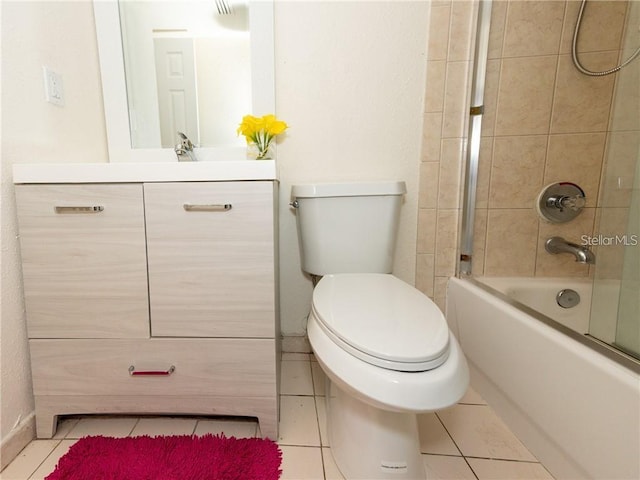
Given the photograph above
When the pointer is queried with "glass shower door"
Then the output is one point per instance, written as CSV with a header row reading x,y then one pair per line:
x,y
615,306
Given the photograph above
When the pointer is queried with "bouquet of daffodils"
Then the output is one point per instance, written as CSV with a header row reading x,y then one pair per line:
x,y
260,131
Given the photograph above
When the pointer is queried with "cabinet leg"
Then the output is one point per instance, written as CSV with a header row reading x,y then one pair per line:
x,y
269,426
46,424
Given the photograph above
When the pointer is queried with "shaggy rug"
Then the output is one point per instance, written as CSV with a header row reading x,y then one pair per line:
x,y
178,457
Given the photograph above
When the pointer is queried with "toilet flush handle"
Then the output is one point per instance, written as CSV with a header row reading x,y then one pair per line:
x,y
294,204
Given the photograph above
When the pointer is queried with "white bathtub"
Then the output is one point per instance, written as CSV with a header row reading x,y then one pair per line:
x,y
576,409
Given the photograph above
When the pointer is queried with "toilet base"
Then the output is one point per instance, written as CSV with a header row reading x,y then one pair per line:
x,y
370,443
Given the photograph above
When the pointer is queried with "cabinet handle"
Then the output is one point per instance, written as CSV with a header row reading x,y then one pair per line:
x,y
79,209
161,373
212,207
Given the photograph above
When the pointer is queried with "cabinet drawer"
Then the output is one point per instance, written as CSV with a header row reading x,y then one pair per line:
x,y
83,260
211,267
218,367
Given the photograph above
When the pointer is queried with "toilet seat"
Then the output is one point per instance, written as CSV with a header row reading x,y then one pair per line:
x,y
381,320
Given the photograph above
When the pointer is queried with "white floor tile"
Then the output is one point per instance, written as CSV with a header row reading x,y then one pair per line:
x,y
472,397
107,426
321,408
154,426
298,421
331,470
286,356
301,463
295,378
28,460
320,381
478,432
230,428
433,436
501,470
49,465
65,426
440,467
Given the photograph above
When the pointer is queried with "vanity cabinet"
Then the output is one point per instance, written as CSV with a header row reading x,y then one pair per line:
x,y
151,298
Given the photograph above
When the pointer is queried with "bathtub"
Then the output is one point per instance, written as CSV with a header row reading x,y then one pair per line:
x,y
573,406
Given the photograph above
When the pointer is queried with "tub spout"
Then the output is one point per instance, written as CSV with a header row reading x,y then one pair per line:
x,y
560,245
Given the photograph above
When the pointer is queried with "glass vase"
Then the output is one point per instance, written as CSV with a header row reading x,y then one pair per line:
x,y
254,152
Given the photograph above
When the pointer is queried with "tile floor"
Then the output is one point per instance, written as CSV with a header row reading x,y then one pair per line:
x,y
467,441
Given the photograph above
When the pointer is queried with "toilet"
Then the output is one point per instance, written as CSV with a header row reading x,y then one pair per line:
x,y
384,346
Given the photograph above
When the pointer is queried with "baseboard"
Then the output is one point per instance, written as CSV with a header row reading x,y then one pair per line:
x,y
19,438
297,344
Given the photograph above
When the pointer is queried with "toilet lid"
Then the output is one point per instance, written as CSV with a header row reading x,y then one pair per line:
x,y
382,320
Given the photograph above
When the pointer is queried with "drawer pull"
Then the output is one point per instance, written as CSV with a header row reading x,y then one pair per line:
x,y
213,207
151,373
79,209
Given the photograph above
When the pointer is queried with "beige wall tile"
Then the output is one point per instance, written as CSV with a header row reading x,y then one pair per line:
x,y
517,171
449,190
446,242
492,82
425,268
483,178
428,196
576,158
617,182
496,33
511,242
440,293
439,32
434,99
627,97
610,258
426,230
479,241
533,28
455,100
582,103
525,96
601,29
563,265
461,28
431,137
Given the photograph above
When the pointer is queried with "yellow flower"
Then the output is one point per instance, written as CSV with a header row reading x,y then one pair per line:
x,y
261,131
273,126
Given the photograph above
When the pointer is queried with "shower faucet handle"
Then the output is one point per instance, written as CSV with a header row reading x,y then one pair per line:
x,y
573,202
560,202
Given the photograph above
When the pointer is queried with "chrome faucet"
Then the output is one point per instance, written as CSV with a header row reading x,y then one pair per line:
x,y
184,147
560,245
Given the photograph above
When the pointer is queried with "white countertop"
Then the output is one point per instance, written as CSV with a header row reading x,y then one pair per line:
x,y
145,172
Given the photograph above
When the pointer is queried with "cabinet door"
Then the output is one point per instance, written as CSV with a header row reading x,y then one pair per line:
x,y
83,260
210,250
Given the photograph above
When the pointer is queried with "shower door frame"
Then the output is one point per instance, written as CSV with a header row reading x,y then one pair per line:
x,y
465,259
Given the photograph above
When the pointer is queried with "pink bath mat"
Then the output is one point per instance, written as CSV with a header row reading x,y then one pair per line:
x,y
177,457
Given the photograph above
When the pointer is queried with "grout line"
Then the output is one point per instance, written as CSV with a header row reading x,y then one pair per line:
x,y
45,458
448,433
498,459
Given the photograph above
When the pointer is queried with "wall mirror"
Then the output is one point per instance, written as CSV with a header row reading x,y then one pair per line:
x,y
181,65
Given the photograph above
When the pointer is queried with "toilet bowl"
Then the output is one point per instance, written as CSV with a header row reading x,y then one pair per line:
x,y
388,354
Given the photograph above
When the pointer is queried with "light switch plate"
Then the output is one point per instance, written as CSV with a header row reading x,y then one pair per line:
x,y
53,87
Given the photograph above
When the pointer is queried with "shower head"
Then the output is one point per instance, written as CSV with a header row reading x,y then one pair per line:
x,y
224,8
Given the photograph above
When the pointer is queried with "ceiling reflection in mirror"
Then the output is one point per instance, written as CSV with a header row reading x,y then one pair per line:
x,y
187,69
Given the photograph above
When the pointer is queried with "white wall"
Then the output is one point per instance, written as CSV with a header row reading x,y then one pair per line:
x,y
60,35
350,81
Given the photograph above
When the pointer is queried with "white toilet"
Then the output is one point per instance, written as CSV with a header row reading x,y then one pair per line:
x,y
384,346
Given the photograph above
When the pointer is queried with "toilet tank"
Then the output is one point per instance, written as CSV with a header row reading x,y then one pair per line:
x,y
348,227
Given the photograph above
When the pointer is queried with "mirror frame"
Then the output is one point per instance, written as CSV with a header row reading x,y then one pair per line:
x,y
114,90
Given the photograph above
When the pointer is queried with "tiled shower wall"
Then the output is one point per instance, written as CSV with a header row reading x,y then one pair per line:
x,y
544,122
445,128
